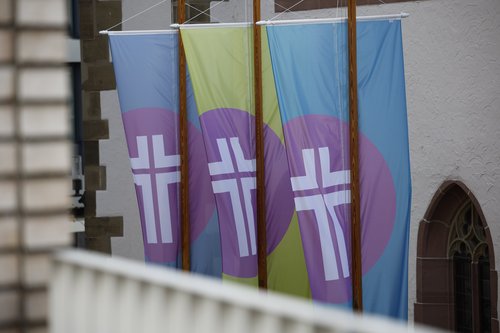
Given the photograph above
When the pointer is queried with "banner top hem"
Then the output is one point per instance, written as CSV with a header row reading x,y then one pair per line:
x,y
138,32
335,19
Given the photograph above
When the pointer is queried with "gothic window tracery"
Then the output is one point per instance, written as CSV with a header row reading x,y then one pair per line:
x,y
467,246
456,277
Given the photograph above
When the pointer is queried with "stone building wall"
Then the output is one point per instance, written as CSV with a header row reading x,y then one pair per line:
x,y
97,76
35,155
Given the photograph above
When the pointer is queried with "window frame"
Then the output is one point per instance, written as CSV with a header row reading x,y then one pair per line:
x,y
434,305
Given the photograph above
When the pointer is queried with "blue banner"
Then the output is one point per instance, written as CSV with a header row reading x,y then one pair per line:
x,y
146,70
311,76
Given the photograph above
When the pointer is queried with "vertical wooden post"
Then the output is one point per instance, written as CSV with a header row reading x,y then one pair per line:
x,y
183,129
357,291
259,154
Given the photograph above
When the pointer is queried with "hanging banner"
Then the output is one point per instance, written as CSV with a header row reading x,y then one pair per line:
x,y
221,66
146,70
311,73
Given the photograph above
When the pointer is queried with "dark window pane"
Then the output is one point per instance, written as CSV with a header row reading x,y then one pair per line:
x,y
463,292
484,294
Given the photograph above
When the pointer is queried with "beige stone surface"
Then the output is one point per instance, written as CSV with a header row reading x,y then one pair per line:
x,y
45,232
9,272
36,305
7,158
46,157
36,46
6,121
6,44
44,84
6,82
46,194
9,303
34,125
8,233
36,270
37,12
5,11
36,121
8,194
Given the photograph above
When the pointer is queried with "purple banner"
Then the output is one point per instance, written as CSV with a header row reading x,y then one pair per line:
x,y
231,155
320,175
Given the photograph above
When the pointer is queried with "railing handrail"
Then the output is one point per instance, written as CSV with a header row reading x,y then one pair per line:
x,y
279,305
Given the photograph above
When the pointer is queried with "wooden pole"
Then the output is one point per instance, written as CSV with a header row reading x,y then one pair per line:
x,y
259,150
183,129
357,291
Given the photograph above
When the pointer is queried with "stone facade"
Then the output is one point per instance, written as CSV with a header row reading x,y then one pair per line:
x,y
35,152
97,75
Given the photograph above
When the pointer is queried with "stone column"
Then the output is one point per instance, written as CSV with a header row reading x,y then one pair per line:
x,y
35,153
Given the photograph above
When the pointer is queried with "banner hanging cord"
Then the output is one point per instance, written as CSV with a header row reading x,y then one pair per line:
x,y
203,12
286,10
161,2
200,12
289,9
341,6
135,15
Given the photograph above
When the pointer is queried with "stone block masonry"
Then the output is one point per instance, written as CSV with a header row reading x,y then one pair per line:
x,y
97,76
35,156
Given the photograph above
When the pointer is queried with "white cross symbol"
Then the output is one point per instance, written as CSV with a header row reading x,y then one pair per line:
x,y
226,167
323,205
157,176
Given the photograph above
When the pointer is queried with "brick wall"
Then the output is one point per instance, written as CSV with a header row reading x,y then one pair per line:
x,y
35,155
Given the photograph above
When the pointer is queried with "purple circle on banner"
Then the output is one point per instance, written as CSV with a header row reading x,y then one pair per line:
x,y
230,145
318,148
152,140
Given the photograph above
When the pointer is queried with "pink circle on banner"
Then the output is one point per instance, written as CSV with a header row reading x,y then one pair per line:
x,y
233,130
161,123
326,142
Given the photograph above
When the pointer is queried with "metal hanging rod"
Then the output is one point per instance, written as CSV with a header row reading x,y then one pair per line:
x,y
336,19
210,25
138,32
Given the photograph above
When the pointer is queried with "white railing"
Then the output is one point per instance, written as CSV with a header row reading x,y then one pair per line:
x,y
91,293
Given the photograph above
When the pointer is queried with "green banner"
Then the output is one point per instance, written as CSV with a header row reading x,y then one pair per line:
x,y
220,63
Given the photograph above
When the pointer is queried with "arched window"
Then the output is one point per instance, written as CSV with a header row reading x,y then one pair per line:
x,y
468,247
456,280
